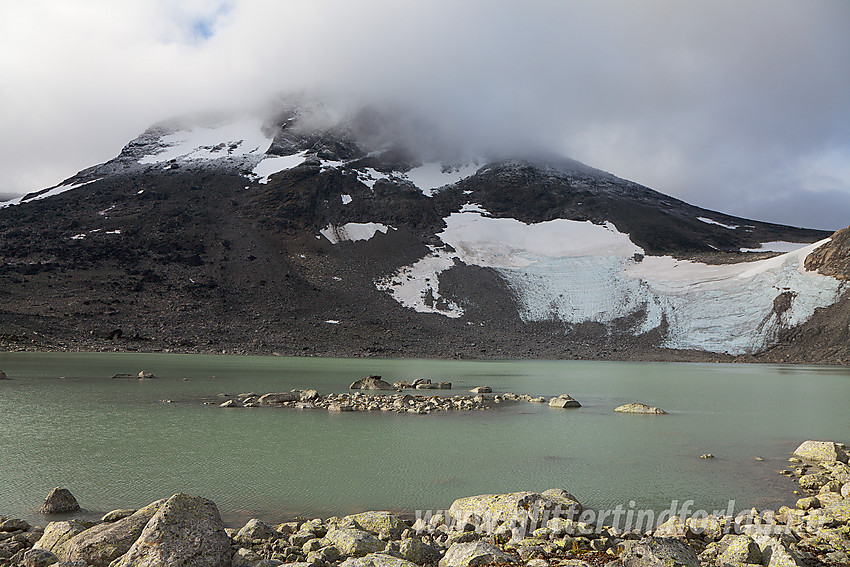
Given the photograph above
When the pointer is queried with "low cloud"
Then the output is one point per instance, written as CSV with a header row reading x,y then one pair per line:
x,y
735,106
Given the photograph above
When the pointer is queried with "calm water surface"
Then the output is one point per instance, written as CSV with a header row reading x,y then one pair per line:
x,y
116,444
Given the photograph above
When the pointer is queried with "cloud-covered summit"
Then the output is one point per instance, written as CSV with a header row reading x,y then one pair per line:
x,y
738,107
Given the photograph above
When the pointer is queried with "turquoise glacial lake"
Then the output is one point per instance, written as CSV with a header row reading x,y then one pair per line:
x,y
119,443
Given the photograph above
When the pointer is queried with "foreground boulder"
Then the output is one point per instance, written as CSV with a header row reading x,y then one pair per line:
x,y
186,530
59,501
373,382
39,558
637,407
658,552
822,451
474,553
103,543
57,533
486,512
564,401
353,542
377,560
376,523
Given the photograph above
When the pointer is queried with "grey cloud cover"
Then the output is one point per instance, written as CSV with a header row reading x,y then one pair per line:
x,y
735,106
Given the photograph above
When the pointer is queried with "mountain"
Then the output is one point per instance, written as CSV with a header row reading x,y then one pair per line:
x,y
301,230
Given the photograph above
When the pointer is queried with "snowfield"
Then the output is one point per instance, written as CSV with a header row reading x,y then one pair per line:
x,y
238,138
777,246
576,272
275,164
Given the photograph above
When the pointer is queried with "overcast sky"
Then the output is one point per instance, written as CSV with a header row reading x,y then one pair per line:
x,y
742,107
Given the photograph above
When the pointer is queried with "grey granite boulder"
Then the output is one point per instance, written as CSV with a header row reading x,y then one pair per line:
x,y
474,553
488,511
254,529
352,542
377,560
822,451
275,398
376,523
742,549
59,501
658,552
103,543
186,530
482,390
57,533
637,407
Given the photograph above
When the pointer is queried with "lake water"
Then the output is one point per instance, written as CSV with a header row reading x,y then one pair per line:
x,y
116,444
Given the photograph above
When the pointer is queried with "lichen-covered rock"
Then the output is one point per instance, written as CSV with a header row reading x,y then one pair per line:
x,y
59,501
254,529
57,533
376,523
564,401
821,451
413,550
658,552
637,407
377,560
742,549
352,542
103,543
813,481
473,554
777,553
186,530
370,383
488,511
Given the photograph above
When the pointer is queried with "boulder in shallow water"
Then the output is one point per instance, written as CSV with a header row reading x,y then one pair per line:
x,y
186,530
373,382
482,390
275,398
822,451
145,375
59,501
637,407
3,375
564,401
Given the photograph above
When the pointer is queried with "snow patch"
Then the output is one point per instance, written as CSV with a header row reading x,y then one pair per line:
x,y
777,246
47,194
332,322
275,164
431,176
353,231
346,199
238,138
417,286
712,221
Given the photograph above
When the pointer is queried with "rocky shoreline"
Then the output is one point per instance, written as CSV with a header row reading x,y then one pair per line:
x,y
547,529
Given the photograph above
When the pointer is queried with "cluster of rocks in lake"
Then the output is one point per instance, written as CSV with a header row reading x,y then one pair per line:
x,y
528,529
481,398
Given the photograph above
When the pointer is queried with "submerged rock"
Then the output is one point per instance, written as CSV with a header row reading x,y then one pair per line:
x,y
59,501
186,530
637,407
373,382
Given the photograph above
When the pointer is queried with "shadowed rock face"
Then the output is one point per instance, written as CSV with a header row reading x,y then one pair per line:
x,y
833,258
